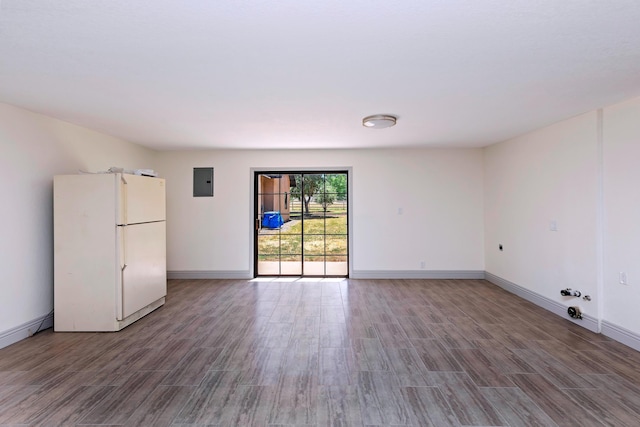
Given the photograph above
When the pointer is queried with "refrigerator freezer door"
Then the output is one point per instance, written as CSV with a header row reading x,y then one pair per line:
x,y
84,252
144,269
142,199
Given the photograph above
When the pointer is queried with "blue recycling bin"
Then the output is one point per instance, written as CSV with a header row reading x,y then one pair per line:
x,y
272,219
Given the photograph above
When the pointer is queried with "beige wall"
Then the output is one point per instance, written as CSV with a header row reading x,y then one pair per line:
x,y
439,193
547,175
621,212
583,174
34,149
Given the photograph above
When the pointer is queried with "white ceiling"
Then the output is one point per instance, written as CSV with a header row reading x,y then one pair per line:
x,y
186,74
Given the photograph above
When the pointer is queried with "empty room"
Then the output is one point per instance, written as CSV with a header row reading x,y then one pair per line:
x,y
339,213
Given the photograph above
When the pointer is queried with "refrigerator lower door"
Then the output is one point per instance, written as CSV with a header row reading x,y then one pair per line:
x,y
143,266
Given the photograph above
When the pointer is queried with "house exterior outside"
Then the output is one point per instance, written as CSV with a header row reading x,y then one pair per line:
x,y
274,194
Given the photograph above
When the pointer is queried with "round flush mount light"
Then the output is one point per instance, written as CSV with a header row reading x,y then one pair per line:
x,y
379,121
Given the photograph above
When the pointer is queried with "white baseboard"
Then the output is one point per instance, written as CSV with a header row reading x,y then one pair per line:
x,y
613,331
417,274
25,330
587,321
213,274
358,274
622,335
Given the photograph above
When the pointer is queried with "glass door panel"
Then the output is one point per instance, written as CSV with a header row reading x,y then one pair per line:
x,y
333,201
314,265
301,224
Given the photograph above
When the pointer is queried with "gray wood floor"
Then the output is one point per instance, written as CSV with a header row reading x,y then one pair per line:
x,y
340,353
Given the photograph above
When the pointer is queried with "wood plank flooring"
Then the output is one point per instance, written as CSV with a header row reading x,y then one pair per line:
x,y
326,353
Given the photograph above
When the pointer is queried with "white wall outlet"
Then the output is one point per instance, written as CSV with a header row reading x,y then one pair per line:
x,y
400,211
553,225
423,265
622,278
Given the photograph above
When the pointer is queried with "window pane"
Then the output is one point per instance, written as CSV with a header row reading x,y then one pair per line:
x,y
337,224
337,266
292,265
314,265
313,245
290,244
336,245
268,244
314,224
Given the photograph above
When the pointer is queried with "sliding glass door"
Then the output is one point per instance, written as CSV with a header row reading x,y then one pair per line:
x,y
301,224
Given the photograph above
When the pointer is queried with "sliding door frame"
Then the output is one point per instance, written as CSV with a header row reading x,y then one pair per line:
x,y
254,172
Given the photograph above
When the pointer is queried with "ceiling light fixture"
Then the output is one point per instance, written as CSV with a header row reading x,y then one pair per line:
x,y
379,121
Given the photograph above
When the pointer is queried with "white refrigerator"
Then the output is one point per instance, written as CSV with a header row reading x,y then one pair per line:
x,y
109,250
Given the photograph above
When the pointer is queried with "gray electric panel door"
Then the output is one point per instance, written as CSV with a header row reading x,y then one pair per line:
x,y
202,182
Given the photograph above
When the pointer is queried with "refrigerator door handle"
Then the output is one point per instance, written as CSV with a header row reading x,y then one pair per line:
x,y
122,264
120,309
123,250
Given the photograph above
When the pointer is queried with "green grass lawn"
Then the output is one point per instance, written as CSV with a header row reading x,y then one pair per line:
x,y
321,236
